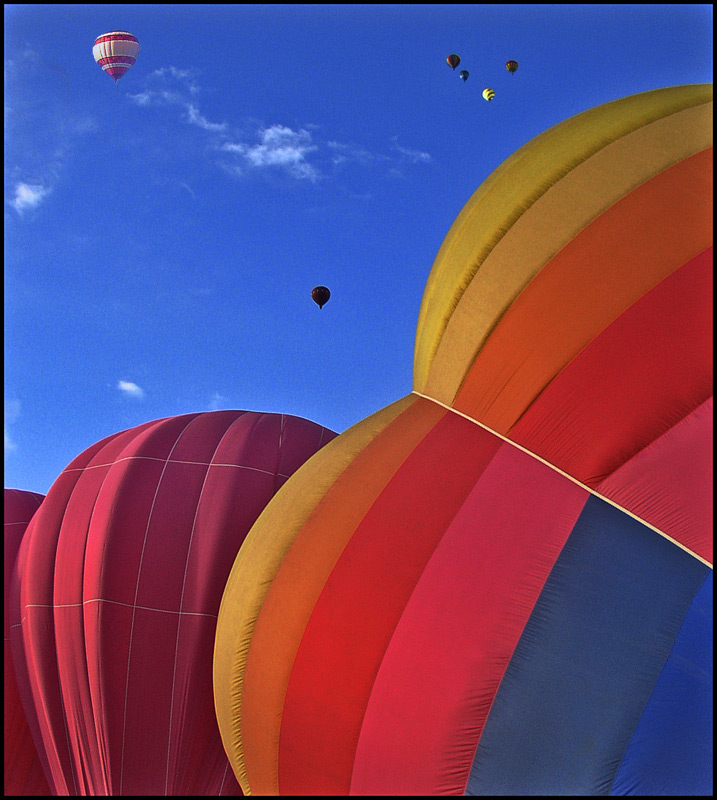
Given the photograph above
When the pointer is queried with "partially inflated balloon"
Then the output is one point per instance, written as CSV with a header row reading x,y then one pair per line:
x,y
501,584
115,605
23,774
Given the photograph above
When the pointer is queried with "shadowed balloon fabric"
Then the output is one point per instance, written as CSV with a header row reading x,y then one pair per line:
x,y
501,583
120,576
22,773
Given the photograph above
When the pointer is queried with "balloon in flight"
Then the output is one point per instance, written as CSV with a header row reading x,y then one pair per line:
x,y
511,66
320,295
453,60
463,74
488,94
116,52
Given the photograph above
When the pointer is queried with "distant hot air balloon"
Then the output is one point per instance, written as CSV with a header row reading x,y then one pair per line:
x,y
320,295
511,66
114,604
453,60
23,773
488,94
115,52
463,74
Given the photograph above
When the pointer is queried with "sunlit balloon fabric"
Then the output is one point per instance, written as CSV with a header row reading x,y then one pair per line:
x,y
121,572
116,52
22,773
501,583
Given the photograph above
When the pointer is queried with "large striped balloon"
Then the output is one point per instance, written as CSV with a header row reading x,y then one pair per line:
x,y
116,52
119,580
501,583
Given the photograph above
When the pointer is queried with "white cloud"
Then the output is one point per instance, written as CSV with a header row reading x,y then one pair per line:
x,y
130,389
346,152
12,412
414,156
28,196
184,76
195,118
141,99
297,152
279,146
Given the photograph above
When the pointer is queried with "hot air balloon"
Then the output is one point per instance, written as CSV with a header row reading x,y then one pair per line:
x,y
488,94
523,543
23,773
463,74
453,60
116,52
511,66
320,295
114,608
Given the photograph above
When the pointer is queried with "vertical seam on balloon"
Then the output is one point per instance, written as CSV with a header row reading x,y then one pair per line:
x,y
278,455
73,766
568,476
224,775
181,597
99,738
136,592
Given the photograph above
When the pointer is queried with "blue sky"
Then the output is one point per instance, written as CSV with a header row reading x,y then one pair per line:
x,y
162,238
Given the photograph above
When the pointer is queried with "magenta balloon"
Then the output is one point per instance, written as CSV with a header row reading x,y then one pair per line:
x,y
23,774
125,564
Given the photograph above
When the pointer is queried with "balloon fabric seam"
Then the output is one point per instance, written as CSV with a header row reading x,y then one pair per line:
x,y
566,475
174,461
117,603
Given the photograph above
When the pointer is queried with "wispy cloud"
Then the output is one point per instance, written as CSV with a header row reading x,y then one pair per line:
x,y
169,86
342,153
28,195
40,135
195,118
295,151
130,389
412,156
278,146
12,412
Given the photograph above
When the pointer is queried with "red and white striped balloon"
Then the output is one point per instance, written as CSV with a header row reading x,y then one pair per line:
x,y
115,52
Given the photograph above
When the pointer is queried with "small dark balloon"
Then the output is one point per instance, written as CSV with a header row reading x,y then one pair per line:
x,y
320,295
463,74
453,60
511,66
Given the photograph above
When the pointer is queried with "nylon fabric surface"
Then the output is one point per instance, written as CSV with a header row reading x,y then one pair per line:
x,y
118,596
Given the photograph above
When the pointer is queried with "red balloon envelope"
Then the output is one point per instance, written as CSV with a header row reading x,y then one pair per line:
x,y
120,579
23,773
